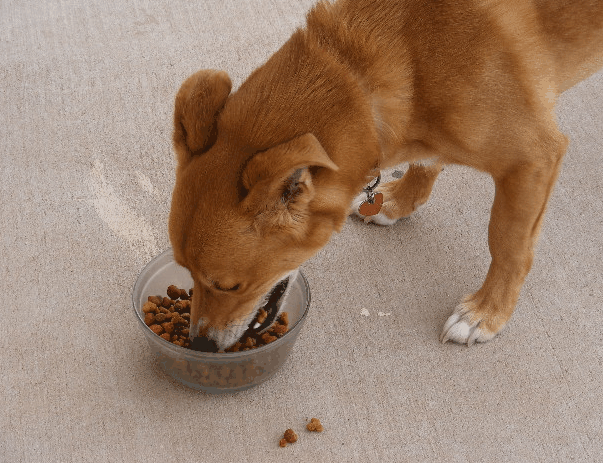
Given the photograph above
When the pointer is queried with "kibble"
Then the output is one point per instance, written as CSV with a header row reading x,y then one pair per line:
x,y
169,317
267,338
149,319
157,329
149,307
157,300
179,306
176,318
279,329
173,292
314,425
290,436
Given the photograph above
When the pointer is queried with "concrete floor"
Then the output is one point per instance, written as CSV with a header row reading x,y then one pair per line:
x,y
86,100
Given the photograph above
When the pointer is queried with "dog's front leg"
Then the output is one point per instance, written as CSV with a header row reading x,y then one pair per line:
x,y
522,193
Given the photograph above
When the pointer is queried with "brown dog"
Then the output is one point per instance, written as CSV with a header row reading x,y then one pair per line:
x,y
267,174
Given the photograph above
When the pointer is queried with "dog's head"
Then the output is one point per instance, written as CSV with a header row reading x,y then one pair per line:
x,y
241,220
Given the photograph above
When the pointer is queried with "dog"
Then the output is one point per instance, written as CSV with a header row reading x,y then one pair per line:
x,y
266,175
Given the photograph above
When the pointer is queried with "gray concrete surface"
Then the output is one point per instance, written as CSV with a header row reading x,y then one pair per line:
x,y
86,94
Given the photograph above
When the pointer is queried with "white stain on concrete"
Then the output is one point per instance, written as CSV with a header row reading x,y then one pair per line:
x,y
366,313
146,184
121,219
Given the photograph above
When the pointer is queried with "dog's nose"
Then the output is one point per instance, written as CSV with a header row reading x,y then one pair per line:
x,y
203,344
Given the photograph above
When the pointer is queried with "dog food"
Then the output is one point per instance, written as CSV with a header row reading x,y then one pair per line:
x,y
278,328
314,425
169,318
289,438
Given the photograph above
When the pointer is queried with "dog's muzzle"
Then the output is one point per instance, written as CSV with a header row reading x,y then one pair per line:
x,y
273,303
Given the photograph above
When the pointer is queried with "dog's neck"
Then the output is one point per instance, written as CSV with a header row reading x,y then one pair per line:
x,y
319,83
302,89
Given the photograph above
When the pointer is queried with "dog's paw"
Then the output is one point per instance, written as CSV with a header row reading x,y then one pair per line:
x,y
380,219
466,326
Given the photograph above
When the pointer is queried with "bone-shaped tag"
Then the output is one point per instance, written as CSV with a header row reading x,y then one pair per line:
x,y
371,206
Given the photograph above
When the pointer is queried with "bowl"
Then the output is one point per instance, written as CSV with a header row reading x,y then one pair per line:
x,y
216,372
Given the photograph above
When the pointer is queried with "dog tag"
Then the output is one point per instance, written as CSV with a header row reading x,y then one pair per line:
x,y
371,206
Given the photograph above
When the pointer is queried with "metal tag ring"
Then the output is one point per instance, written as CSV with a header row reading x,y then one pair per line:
x,y
369,189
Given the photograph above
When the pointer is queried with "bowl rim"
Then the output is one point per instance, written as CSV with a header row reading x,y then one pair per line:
x,y
214,355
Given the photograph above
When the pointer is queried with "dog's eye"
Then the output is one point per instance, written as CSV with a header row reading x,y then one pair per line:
x,y
220,288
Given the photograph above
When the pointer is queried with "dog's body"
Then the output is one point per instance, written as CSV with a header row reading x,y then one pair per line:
x,y
266,174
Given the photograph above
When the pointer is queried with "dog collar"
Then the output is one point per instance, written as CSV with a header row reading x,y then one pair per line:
x,y
373,202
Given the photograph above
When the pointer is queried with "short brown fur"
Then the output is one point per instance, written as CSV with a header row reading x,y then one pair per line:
x,y
267,174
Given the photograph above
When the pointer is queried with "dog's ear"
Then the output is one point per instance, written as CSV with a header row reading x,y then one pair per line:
x,y
278,182
198,102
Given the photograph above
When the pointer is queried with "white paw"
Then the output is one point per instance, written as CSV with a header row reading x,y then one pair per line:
x,y
460,328
379,219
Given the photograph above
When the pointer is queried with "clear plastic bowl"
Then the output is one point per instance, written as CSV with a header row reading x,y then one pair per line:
x,y
216,372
